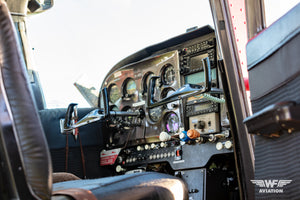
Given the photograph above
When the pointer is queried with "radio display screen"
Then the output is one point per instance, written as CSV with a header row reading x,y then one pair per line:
x,y
204,106
199,77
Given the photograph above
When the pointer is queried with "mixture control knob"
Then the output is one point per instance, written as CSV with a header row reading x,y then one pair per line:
x,y
193,134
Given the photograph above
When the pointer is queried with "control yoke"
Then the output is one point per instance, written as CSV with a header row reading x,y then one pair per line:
x,y
186,91
68,124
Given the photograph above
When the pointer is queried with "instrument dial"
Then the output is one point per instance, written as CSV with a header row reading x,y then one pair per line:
x,y
155,113
172,123
168,74
114,93
130,87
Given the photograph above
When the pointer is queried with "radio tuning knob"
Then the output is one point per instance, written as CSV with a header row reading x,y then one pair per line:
x,y
201,124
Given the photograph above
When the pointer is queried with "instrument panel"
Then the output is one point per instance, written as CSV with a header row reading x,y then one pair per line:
x,y
172,67
184,136
127,90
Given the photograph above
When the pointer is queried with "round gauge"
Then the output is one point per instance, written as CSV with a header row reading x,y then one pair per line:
x,y
130,87
146,80
155,113
168,74
172,123
114,93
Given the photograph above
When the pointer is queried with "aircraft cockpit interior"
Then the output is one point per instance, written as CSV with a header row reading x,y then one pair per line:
x,y
163,109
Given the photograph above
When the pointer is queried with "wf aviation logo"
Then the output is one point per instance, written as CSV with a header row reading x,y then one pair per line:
x,y
271,186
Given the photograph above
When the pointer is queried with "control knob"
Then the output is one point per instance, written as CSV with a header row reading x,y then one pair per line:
x,y
193,134
164,136
119,169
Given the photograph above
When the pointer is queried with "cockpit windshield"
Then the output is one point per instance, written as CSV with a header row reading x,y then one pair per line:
x,y
80,42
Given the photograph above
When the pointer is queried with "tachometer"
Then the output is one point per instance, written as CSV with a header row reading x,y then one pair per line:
x,y
114,93
172,123
168,74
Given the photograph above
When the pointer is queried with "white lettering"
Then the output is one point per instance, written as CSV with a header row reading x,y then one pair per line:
x,y
270,190
271,183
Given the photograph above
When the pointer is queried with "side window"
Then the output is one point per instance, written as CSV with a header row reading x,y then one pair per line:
x,y
274,9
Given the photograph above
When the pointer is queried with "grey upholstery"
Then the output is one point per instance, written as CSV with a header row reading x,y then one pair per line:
x,y
273,55
274,79
25,149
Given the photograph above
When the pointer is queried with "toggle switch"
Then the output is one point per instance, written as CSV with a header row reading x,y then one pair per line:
x,y
178,153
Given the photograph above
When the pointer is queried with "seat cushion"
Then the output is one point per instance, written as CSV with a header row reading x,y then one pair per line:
x,y
146,185
63,176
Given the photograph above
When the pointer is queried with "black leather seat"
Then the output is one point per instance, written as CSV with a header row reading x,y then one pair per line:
x,y
26,169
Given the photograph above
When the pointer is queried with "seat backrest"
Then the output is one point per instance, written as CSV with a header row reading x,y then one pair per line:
x,y
24,149
274,79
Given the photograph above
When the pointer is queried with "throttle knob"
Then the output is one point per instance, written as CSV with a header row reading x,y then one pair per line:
x,y
193,134
164,136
